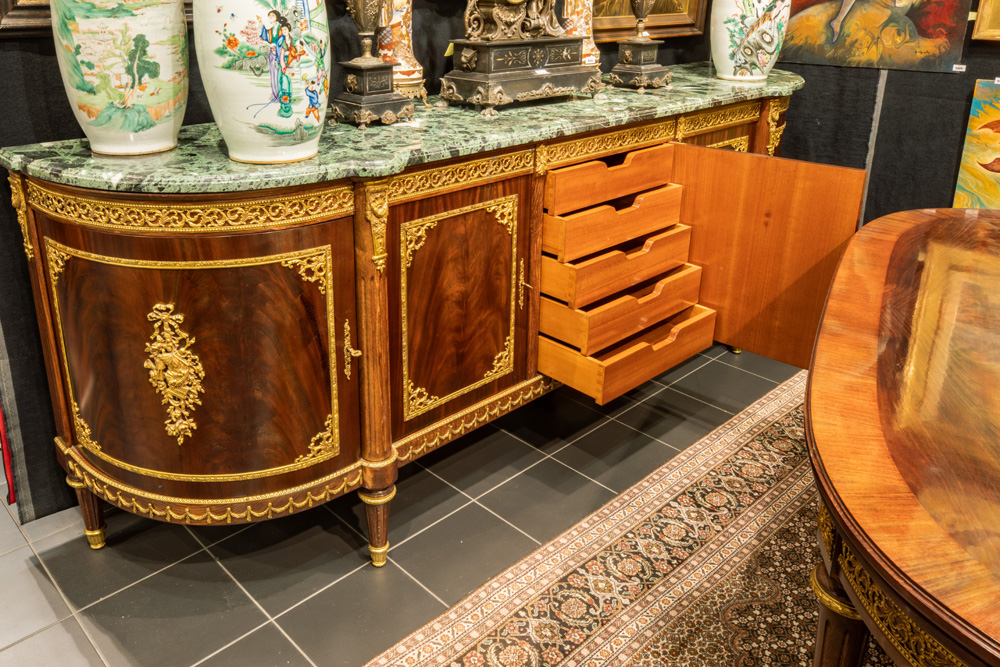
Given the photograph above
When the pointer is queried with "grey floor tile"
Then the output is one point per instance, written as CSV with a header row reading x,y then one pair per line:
x,y
266,647
481,460
421,499
674,418
459,554
282,561
618,405
64,644
682,369
357,618
175,617
714,351
724,386
136,548
616,455
10,533
211,534
53,523
546,499
551,421
29,599
754,363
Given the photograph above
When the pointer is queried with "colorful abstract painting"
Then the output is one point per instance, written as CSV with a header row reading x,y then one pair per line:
x,y
923,35
979,173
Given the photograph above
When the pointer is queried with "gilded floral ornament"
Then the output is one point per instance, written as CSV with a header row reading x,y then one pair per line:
x,y
174,370
313,269
377,214
504,361
17,200
57,264
325,443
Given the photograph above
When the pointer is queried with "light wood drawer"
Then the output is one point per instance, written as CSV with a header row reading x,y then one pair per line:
x,y
583,185
623,367
595,277
572,236
610,320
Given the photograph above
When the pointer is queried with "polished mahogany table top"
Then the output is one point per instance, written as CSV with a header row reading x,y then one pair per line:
x,y
904,412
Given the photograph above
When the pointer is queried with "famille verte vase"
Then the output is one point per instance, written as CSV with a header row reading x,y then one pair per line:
x,y
747,36
266,71
124,65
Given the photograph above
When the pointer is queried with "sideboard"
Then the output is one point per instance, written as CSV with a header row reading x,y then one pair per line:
x,y
229,343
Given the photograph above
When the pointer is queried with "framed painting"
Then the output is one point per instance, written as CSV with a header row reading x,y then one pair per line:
x,y
30,18
978,183
613,19
987,21
919,35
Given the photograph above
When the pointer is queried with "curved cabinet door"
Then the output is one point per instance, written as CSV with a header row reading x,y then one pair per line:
x,y
460,315
209,367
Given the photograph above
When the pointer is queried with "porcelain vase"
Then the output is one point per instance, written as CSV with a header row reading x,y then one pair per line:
x,y
395,43
578,21
266,70
125,70
747,36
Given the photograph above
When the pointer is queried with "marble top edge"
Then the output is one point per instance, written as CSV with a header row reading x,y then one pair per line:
x,y
200,165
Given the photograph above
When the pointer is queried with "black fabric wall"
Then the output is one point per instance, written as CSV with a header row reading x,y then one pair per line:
x,y
914,165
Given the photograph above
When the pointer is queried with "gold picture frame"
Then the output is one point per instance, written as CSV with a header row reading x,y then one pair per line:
x,y
987,24
613,19
31,18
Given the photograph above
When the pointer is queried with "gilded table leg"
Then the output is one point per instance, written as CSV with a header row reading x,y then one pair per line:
x,y
841,637
377,509
93,512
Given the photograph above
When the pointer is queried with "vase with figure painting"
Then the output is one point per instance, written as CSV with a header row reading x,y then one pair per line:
x,y
747,36
125,70
266,72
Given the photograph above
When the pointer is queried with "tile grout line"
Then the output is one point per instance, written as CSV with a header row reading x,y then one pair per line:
x,y
238,639
552,456
479,504
59,590
254,600
762,377
420,583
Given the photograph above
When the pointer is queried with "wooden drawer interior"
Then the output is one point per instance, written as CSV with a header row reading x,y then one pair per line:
x,y
619,316
597,276
614,371
570,237
583,185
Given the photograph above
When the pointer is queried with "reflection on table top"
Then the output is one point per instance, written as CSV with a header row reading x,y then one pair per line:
x,y
905,408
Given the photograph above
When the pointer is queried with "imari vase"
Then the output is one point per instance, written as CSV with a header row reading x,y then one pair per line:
x,y
747,36
395,43
266,70
124,64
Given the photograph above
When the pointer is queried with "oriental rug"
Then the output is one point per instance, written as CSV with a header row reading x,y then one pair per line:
x,y
704,563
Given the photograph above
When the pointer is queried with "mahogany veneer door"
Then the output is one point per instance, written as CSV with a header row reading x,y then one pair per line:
x,y
459,318
208,367
768,234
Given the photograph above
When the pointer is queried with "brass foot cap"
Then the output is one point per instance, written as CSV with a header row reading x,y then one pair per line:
x,y
95,537
736,350
379,554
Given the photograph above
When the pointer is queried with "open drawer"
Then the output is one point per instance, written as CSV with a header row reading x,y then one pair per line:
x,y
616,370
608,321
595,277
572,236
583,185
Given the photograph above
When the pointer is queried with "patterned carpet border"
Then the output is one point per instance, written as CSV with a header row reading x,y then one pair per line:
x,y
597,593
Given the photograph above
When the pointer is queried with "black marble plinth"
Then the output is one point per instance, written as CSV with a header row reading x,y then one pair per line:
x,y
368,95
492,73
637,66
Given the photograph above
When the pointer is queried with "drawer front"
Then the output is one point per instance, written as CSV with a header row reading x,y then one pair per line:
x,y
623,367
584,282
598,326
583,185
572,236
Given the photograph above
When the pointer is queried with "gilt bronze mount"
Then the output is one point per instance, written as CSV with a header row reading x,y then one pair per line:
x,y
369,96
637,66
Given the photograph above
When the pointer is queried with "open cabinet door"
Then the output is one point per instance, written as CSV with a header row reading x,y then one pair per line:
x,y
768,234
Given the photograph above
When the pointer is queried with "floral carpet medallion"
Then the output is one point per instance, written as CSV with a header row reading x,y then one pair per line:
x,y
704,563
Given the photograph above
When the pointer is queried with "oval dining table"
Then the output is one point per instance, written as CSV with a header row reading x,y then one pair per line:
x,y
903,427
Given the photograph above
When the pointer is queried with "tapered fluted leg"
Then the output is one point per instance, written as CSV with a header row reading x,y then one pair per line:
x,y
92,509
841,638
377,509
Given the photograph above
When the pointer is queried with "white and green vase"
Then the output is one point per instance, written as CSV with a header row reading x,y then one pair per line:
x,y
747,36
125,69
266,70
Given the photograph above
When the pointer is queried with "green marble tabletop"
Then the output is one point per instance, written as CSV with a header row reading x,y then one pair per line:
x,y
200,162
